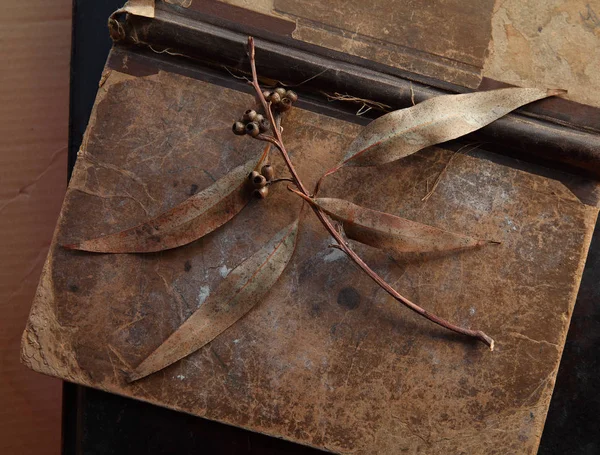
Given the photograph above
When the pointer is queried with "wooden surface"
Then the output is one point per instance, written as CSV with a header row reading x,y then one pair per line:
x,y
34,97
327,359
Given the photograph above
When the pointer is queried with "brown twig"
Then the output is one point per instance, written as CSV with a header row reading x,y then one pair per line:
x,y
320,181
386,287
280,180
277,141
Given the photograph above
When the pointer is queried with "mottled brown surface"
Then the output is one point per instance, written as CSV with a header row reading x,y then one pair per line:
x,y
328,359
547,43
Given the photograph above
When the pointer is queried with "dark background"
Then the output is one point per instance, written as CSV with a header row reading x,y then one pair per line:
x,y
96,422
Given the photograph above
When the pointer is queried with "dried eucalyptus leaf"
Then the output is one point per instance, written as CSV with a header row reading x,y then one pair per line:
x,y
243,288
193,218
392,233
440,119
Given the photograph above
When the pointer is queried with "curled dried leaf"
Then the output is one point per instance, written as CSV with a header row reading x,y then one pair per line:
x,y
392,233
192,219
440,119
243,288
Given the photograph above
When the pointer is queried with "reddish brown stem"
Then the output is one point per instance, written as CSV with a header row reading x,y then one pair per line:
x,y
390,290
320,182
277,141
272,182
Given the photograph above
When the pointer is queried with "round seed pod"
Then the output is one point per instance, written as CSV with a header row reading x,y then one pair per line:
x,y
292,96
275,98
268,172
267,94
249,115
252,129
239,128
264,125
280,91
284,105
258,118
261,193
252,175
259,181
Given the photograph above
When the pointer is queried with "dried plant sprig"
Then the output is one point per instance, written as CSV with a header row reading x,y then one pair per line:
x,y
366,105
277,141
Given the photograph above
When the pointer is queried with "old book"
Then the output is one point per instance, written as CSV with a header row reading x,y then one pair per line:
x,y
327,359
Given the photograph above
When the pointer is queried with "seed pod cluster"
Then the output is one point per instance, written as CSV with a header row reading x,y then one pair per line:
x,y
259,181
251,123
281,99
268,172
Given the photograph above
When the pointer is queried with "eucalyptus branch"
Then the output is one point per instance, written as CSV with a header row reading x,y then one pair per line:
x,y
277,141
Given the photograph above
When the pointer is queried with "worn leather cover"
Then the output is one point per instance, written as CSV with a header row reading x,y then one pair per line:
x,y
328,359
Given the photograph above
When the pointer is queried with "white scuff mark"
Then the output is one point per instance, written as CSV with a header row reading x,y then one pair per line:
x,y
203,295
471,311
182,3
334,255
510,223
180,377
236,341
224,271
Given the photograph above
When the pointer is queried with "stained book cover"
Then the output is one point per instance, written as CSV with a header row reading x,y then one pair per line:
x,y
327,358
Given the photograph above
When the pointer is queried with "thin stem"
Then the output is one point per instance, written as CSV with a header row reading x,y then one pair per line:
x,y
386,287
320,182
277,141
264,157
286,158
272,182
